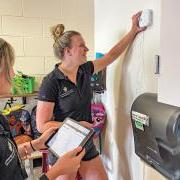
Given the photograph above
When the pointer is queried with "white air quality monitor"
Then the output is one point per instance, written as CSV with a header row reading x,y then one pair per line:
x,y
145,19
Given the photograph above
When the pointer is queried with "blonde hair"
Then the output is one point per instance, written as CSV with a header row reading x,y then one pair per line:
x,y
62,39
6,58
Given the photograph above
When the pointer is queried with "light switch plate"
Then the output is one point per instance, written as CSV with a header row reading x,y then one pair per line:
x,y
146,18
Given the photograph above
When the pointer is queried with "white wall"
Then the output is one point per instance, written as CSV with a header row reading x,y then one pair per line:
x,y
168,89
26,24
131,75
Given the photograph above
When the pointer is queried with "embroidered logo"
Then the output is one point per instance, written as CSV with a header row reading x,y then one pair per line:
x,y
65,89
67,92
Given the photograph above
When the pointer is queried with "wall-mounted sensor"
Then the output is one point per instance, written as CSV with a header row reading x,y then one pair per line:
x,y
146,18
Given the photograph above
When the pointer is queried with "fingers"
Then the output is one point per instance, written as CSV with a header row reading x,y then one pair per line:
x,y
81,154
89,125
143,28
75,151
138,14
135,23
86,124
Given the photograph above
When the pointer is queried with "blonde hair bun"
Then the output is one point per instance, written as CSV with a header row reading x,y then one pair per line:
x,y
57,31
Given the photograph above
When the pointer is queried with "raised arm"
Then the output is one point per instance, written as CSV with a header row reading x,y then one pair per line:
x,y
120,47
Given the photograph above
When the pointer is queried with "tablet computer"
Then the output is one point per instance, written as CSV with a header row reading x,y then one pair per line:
x,y
69,136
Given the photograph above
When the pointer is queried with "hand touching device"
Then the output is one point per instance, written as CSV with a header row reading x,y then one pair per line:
x,y
69,136
146,18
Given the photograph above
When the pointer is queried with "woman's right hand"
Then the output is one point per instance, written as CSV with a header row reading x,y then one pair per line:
x,y
135,23
86,124
67,164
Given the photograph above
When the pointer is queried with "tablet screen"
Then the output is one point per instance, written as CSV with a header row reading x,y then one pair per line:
x,y
69,136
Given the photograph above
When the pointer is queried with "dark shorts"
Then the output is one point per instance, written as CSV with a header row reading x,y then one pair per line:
x,y
91,153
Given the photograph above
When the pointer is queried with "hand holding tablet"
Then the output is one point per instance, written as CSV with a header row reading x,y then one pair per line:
x,y
69,136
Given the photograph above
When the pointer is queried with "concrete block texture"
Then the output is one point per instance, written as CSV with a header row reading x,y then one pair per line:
x,y
70,24
50,64
30,65
38,46
26,24
17,43
11,7
0,25
21,26
42,8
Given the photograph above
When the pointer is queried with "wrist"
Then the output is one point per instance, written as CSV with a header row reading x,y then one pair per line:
x,y
51,174
133,32
55,171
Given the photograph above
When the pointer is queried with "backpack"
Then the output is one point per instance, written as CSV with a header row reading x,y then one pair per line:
x,y
35,132
19,122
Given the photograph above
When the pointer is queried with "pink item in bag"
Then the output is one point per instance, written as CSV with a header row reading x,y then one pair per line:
x,y
98,117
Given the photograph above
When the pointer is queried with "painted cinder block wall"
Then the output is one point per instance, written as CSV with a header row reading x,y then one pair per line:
x,y
26,25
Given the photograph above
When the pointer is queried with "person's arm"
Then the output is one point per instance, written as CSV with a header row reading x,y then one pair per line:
x,y
68,163
120,47
44,116
27,148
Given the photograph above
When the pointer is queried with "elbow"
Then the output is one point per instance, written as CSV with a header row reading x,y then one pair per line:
x,y
40,126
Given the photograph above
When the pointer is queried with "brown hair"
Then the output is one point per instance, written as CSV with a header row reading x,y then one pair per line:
x,y
6,58
62,39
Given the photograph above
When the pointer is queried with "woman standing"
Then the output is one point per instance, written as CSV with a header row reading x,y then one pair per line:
x,y
66,92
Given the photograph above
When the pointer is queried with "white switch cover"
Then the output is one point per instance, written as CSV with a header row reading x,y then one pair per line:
x,y
146,17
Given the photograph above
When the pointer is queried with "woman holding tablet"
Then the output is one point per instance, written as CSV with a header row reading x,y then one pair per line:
x,y
66,92
11,166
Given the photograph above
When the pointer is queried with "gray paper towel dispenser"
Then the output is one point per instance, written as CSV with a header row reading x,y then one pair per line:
x,y
156,128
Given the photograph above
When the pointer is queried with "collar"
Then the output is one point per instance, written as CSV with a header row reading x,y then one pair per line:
x,y
59,74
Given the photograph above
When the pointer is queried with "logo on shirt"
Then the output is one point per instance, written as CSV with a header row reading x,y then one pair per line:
x,y
66,92
65,89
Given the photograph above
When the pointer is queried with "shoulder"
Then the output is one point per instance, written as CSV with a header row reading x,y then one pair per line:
x,y
50,81
49,88
50,78
88,67
4,126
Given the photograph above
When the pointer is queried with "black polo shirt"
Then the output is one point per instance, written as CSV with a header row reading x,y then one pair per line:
x,y
71,100
9,163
